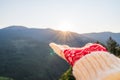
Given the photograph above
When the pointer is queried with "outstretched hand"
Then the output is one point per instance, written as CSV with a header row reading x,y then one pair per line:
x,y
58,49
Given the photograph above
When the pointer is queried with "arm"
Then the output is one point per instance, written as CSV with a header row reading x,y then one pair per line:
x,y
98,65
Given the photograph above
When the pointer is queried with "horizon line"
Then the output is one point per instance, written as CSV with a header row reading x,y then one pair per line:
x,y
55,29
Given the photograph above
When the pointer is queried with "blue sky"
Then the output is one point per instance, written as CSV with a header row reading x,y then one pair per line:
x,y
82,16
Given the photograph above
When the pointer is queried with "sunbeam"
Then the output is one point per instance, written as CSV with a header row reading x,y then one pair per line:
x,y
64,37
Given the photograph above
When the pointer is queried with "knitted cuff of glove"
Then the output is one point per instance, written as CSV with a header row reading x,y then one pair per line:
x,y
96,66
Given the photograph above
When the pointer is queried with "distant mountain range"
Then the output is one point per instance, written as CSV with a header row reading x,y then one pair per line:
x,y
48,35
103,36
25,54
44,35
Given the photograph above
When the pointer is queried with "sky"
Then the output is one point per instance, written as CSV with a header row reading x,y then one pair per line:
x,y
81,16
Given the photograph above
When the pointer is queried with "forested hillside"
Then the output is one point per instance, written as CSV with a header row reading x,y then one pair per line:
x,y
25,53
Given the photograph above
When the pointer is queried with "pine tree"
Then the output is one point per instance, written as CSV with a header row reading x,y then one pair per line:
x,y
112,46
67,75
118,51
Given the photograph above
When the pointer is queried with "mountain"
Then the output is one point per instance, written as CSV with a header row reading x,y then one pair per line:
x,y
25,54
44,35
103,36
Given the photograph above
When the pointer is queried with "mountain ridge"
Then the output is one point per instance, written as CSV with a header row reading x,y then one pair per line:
x,y
99,36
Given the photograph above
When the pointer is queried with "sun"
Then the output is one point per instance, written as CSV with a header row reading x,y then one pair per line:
x,y
65,27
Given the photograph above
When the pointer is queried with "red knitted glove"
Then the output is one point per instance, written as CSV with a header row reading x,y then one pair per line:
x,y
71,55
74,54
